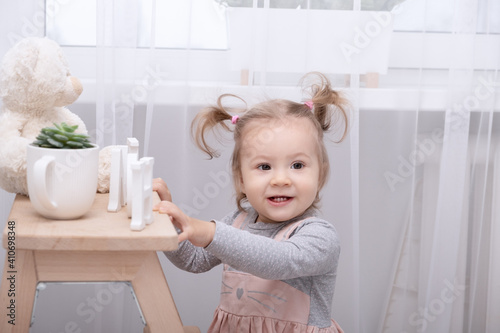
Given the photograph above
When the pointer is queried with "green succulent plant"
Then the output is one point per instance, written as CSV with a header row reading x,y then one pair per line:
x,y
62,136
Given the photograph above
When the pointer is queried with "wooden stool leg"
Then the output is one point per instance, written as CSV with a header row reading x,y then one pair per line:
x,y
155,299
18,289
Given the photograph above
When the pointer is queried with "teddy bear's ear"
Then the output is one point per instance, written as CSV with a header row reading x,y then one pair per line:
x,y
51,69
27,56
34,74
18,69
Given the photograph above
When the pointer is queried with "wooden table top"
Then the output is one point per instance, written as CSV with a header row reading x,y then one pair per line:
x,y
98,230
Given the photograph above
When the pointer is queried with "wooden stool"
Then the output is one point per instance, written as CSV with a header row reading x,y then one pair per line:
x,y
98,247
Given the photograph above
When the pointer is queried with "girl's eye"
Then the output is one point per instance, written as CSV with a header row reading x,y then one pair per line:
x,y
264,167
297,165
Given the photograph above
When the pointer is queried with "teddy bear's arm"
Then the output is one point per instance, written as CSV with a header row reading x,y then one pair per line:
x,y
12,153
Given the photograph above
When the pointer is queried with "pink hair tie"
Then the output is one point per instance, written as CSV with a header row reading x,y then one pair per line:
x,y
309,104
234,119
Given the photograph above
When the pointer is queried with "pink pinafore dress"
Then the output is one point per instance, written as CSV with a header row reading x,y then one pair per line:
x,y
251,304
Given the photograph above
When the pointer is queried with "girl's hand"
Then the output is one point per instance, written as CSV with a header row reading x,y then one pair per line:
x,y
161,188
199,233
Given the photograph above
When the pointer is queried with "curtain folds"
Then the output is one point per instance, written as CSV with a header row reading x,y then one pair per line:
x,y
443,276
116,47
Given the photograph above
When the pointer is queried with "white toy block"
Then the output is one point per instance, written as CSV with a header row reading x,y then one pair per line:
x,y
132,157
148,188
131,184
142,202
117,181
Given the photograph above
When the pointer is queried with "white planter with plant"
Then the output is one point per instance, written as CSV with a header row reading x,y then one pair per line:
x,y
62,170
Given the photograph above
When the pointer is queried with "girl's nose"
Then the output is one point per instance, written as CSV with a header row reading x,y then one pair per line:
x,y
280,179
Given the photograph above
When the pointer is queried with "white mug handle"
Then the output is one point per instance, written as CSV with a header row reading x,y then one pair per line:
x,y
40,181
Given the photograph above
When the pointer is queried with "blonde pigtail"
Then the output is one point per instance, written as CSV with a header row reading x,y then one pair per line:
x,y
330,107
208,120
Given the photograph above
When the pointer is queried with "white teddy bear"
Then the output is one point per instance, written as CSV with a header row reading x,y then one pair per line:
x,y
35,86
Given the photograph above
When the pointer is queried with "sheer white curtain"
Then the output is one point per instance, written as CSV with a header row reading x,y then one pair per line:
x,y
444,275
414,190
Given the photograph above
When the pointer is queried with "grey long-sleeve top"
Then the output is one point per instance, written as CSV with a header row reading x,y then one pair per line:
x,y
307,260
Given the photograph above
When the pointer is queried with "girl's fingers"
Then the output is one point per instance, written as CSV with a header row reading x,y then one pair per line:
x,y
182,237
177,217
199,233
162,207
161,188
166,207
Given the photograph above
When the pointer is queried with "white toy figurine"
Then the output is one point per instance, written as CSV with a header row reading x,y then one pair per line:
x,y
132,157
118,180
131,184
35,86
142,193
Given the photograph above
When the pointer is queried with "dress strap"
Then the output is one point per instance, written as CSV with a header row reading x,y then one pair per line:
x,y
285,233
238,222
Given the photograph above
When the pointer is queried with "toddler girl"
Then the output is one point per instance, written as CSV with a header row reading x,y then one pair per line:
x,y
280,259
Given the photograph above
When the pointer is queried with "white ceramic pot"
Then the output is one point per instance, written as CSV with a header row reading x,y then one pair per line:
x,y
62,183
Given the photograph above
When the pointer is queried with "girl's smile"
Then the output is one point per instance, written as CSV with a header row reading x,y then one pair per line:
x,y
279,200
280,168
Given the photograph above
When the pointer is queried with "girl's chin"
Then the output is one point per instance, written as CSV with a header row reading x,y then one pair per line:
x,y
274,218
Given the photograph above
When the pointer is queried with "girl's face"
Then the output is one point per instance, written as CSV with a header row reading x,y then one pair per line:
x,y
280,168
